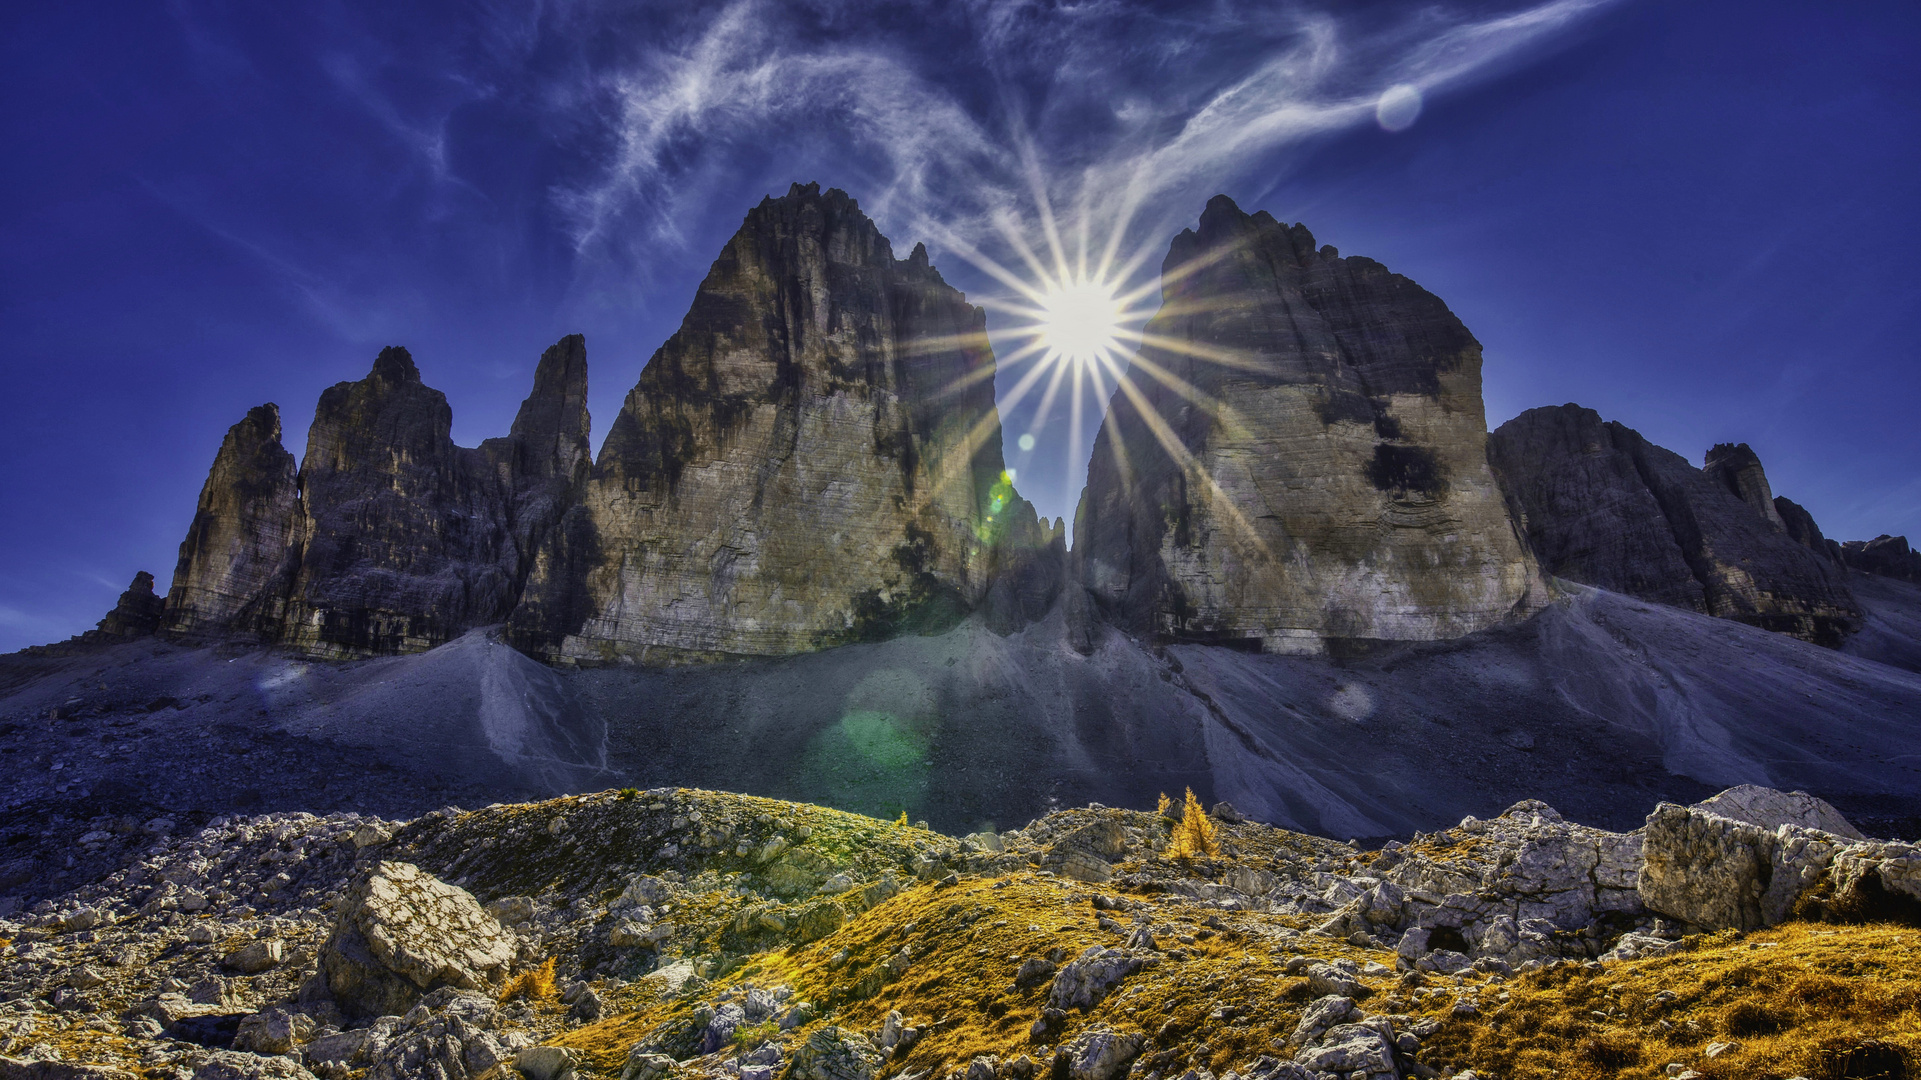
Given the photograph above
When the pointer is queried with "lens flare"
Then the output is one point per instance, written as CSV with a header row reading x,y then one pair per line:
x,y
1080,320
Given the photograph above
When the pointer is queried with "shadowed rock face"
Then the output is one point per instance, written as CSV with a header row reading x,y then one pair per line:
x,y
138,613
1738,469
1889,556
813,458
1605,507
241,532
389,538
1802,529
403,537
1301,456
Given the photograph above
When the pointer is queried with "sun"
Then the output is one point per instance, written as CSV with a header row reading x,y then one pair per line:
x,y
1080,320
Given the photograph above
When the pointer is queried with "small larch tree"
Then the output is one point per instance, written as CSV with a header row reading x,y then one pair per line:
x,y
1194,836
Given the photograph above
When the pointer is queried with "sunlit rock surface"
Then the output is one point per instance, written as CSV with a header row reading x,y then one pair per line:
x,y
1605,507
813,458
1300,456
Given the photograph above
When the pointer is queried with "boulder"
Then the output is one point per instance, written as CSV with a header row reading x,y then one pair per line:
x,y
644,1064
1769,808
1101,1054
1340,979
255,958
832,1053
16,1069
547,1062
232,1065
1087,853
1089,977
1877,881
1529,874
1320,1015
401,933
1358,1050
452,1034
1720,873
274,1031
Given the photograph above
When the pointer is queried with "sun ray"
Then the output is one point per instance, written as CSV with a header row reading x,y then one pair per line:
x,y
1047,397
1189,464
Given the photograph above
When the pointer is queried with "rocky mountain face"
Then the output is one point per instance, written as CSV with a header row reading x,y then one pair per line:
x,y
1738,469
1603,506
138,613
401,539
1889,556
1300,456
813,458
388,537
227,579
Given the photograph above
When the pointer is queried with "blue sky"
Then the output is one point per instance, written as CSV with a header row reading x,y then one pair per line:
x,y
1699,218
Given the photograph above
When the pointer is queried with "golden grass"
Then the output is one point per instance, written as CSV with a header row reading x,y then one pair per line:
x,y
967,940
1798,1000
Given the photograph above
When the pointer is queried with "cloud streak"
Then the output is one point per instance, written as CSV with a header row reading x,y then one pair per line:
x,y
1106,114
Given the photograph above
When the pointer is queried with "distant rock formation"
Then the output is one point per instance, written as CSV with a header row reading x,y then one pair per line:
x,y
1299,455
225,581
1603,506
138,613
813,458
1889,556
388,538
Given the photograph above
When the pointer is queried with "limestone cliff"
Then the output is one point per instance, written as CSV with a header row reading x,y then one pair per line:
x,y
1803,530
1889,556
241,533
813,458
1603,506
401,538
1738,468
388,537
138,613
546,455
1299,455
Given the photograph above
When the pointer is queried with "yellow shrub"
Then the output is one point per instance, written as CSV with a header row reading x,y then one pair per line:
x,y
1194,836
534,985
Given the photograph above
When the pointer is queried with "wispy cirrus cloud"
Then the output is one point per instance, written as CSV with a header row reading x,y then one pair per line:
x,y
969,125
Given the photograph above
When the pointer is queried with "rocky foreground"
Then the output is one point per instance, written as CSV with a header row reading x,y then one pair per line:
x,y
675,933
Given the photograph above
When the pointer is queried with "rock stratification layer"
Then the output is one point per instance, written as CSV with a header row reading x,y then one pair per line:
x,y
813,458
1299,455
1605,507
